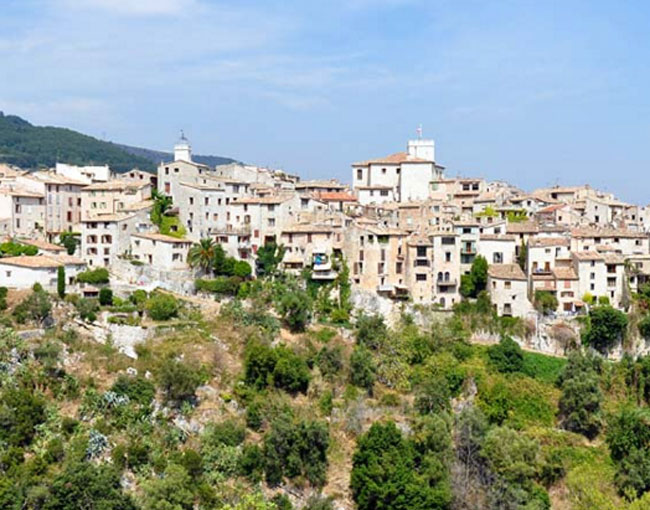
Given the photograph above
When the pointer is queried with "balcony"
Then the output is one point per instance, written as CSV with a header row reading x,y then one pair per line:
x,y
446,283
468,250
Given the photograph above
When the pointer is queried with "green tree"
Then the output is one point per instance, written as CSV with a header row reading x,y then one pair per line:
x,y
86,485
21,410
506,356
161,306
242,269
70,241
94,276
36,307
644,327
371,331
173,491
389,473
202,255
606,327
60,281
476,281
178,381
545,302
362,368
161,204
579,406
105,296
295,309
269,257
522,256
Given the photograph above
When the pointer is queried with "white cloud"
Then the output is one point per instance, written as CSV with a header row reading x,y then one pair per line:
x,y
135,7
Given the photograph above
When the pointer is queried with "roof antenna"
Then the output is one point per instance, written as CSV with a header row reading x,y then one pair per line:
x,y
419,132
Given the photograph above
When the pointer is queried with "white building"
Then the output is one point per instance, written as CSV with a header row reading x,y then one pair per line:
x,y
160,251
24,271
508,288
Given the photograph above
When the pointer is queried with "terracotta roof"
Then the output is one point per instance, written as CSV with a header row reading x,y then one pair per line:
x,y
308,228
552,208
506,272
613,258
20,192
320,184
274,199
335,196
543,242
42,245
41,261
587,255
162,238
115,185
393,159
565,273
609,232
524,227
497,237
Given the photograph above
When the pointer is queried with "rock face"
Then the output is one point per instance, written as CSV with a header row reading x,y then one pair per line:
x,y
147,277
123,337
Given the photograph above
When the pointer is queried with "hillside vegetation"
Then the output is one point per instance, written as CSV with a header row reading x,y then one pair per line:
x,y
30,147
285,399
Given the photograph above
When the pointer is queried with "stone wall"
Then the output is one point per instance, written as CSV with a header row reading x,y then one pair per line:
x,y
148,277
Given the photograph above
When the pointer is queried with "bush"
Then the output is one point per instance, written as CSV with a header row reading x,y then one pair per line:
x,y
21,410
105,296
644,327
178,381
242,269
60,281
294,449
506,356
94,276
545,302
329,361
162,307
433,396
371,331
606,327
362,368
36,307
87,309
137,388
295,309
281,367
220,285
581,397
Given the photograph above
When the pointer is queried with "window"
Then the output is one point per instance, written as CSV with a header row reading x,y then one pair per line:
x,y
497,258
420,277
191,200
8,274
383,192
398,267
383,171
359,174
507,285
271,222
422,251
447,256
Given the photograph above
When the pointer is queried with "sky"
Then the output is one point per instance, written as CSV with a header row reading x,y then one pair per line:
x,y
534,93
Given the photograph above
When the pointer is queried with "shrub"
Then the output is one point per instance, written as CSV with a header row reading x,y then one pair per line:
x,y
60,281
229,433
606,327
362,368
506,356
433,396
281,367
94,276
3,298
545,302
138,297
36,307
295,309
105,296
21,410
371,331
137,388
581,397
178,381
87,309
220,285
330,361
162,307
296,449
644,327
242,269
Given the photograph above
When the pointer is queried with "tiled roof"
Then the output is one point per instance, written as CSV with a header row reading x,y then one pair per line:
x,y
565,273
335,196
42,245
41,261
544,242
162,238
497,237
587,255
524,227
506,272
393,159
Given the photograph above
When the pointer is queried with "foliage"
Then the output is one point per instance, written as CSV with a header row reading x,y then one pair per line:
x,y
36,307
201,254
391,472
362,368
173,491
138,389
371,331
545,302
506,356
105,296
295,309
161,306
21,409
29,146
178,381
280,367
94,276
87,309
161,204
70,241
294,450
606,327
330,361
15,249
476,281
226,285
269,257
579,406
522,256
90,485
60,281
644,327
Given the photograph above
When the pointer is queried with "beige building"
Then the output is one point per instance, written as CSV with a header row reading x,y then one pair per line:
x,y
160,251
508,288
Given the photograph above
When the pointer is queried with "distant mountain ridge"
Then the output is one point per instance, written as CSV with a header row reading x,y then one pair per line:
x,y
31,147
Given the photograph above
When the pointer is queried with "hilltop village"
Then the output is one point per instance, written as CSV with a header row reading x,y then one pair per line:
x,y
405,230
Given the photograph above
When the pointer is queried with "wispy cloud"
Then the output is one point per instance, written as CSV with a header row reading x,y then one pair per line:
x,y
134,7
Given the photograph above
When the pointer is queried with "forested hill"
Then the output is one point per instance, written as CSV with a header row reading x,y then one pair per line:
x,y
29,146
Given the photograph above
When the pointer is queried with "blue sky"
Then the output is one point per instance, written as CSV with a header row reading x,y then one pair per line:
x,y
535,93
